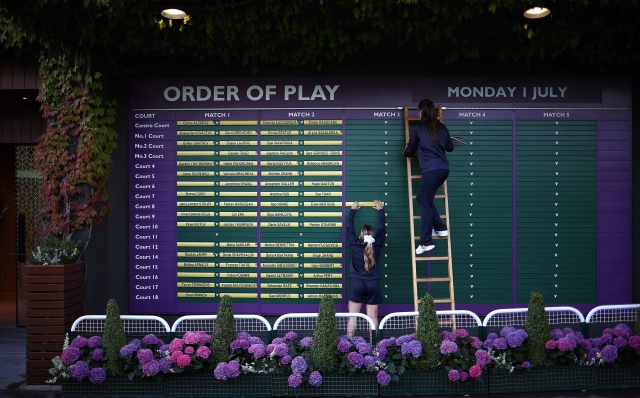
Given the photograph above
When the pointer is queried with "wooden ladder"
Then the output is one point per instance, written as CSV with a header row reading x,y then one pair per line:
x,y
415,239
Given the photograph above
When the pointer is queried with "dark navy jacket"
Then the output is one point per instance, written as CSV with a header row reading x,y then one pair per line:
x,y
357,245
431,154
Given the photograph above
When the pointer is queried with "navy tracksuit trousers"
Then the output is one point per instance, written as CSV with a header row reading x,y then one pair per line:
x,y
429,184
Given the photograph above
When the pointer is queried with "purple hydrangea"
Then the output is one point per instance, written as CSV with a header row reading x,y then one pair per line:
x,y
257,350
607,331
413,347
258,341
295,379
448,336
239,344
403,339
462,333
595,342
634,342
243,336
586,344
306,342
291,335
203,338
475,342
383,378
391,340
384,343
619,342
79,370
482,358
70,355
557,334
164,365
526,365
448,347
144,355
97,354
622,330
135,343
164,348
514,340
220,372
490,343
127,350
454,375
464,376
355,359
507,330
97,375
79,342
382,352
277,340
150,339
344,346
344,337
233,369
566,344
150,368
550,345
280,350
500,343
492,336
95,341
358,340
369,361
609,353
363,348
315,378
298,365
286,359
522,334
606,339
567,331
593,354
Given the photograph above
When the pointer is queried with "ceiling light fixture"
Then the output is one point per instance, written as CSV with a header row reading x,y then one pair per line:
x,y
536,12
173,13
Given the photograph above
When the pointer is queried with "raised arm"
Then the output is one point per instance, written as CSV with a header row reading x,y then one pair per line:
x,y
382,227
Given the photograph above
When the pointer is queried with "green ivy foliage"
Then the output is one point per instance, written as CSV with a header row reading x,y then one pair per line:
x,y
597,34
224,331
428,334
325,338
113,339
74,154
537,327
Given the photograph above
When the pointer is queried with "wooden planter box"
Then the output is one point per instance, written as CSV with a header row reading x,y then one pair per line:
x,y
557,378
113,386
206,385
421,383
333,385
55,299
620,377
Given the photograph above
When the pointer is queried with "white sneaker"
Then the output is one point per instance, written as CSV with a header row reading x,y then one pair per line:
x,y
421,249
439,233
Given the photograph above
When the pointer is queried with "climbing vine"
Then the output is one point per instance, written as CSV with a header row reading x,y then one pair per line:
x,y
74,154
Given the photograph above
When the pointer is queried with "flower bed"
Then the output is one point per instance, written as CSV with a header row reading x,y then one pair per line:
x,y
207,385
557,378
333,385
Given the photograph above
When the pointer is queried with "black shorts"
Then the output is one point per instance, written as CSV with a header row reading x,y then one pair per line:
x,y
365,291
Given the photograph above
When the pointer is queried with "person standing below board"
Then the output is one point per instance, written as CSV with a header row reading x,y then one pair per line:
x,y
364,269
431,140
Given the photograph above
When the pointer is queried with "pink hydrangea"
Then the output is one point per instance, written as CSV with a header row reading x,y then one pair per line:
x,y
175,355
184,361
634,342
462,333
189,350
475,371
550,345
190,338
203,352
176,345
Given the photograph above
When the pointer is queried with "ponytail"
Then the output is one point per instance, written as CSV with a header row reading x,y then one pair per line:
x,y
429,118
369,258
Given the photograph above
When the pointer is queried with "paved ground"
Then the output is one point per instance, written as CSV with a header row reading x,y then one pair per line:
x,y
13,376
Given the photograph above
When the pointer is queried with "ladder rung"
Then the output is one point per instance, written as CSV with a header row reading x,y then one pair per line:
x,y
432,258
419,217
433,279
435,197
433,237
441,300
415,177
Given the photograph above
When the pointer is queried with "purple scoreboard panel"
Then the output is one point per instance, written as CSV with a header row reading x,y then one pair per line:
x,y
242,186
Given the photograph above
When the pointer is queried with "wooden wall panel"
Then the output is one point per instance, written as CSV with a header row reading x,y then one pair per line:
x,y
19,74
20,124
